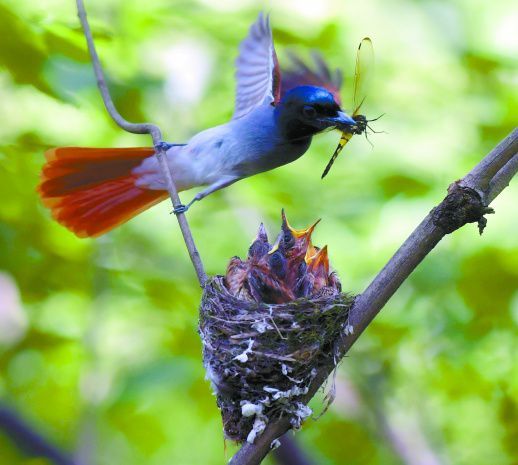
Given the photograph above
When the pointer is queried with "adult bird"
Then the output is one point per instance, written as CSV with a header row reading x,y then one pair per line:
x,y
93,190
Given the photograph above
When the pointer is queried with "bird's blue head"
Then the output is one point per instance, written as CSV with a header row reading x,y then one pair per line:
x,y
307,110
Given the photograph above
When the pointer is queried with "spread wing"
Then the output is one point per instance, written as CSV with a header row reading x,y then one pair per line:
x,y
300,74
257,74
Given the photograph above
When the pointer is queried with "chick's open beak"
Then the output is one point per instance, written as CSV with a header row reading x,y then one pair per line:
x,y
319,260
304,233
310,252
298,234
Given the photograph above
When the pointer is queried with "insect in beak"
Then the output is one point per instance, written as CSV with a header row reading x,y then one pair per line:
x,y
344,122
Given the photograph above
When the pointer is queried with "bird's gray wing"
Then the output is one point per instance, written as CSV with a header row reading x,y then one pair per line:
x,y
257,69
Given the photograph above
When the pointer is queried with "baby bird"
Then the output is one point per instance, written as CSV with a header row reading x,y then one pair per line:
x,y
237,275
293,267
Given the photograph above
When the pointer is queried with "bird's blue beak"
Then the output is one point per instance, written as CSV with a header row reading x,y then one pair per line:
x,y
344,122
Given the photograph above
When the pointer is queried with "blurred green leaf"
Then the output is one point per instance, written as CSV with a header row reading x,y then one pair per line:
x,y
399,184
487,284
22,52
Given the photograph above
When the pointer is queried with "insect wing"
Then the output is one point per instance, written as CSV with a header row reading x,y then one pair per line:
x,y
362,73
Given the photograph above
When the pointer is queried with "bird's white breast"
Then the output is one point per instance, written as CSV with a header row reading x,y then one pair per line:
x,y
231,149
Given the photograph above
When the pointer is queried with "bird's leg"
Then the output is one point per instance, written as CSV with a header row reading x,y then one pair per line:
x,y
165,146
220,184
181,208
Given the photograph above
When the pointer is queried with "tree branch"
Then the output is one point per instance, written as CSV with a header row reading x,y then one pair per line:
x,y
463,204
502,179
290,452
28,440
480,177
142,128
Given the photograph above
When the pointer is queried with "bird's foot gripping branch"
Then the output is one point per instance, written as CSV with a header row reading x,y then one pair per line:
x,y
267,326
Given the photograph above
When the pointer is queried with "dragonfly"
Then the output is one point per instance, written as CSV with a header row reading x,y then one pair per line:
x,y
364,65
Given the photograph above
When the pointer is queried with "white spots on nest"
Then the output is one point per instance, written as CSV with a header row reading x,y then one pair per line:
x,y
261,326
243,356
257,429
299,414
286,369
249,409
349,329
212,376
297,411
277,394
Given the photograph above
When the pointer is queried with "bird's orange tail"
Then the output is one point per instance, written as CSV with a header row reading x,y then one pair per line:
x,y
91,191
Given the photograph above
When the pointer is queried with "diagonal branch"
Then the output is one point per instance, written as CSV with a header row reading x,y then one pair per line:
x,y
290,452
462,205
28,440
142,128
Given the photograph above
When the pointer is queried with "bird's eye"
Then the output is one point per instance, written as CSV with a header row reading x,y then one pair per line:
x,y
278,264
308,111
288,239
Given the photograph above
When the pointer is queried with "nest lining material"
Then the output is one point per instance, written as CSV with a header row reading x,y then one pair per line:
x,y
261,358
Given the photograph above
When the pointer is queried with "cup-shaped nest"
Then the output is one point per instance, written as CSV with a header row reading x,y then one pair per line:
x,y
264,339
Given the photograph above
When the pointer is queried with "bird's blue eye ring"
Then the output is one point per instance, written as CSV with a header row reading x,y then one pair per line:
x,y
308,111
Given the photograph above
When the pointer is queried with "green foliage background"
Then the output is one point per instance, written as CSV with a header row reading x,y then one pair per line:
x,y
101,353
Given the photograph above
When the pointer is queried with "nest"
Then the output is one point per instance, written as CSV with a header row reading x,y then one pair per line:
x,y
262,357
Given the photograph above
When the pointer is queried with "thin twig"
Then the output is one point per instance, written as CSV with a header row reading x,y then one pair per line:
x,y
142,128
368,304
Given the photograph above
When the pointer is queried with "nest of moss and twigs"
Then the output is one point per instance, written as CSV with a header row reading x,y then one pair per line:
x,y
267,326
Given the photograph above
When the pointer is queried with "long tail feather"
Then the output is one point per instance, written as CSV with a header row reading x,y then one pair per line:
x,y
91,191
